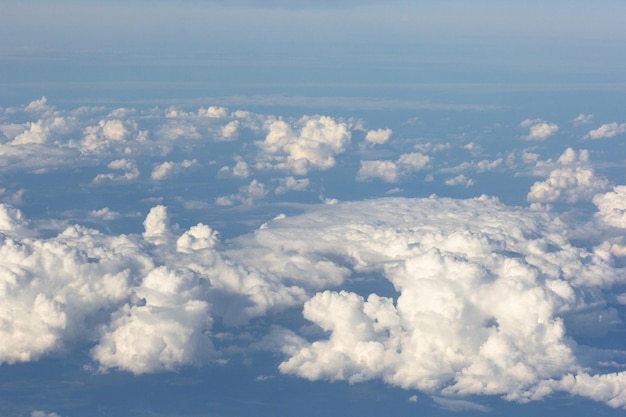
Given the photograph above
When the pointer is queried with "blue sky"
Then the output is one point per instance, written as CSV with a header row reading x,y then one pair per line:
x,y
307,208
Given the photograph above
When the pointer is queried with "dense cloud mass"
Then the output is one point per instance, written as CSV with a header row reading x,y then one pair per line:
x,y
452,297
483,295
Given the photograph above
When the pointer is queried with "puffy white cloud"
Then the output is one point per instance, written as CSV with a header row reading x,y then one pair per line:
x,y
612,207
569,184
483,293
378,136
164,332
247,195
169,168
459,180
40,131
214,112
582,119
385,170
571,180
104,214
38,105
313,146
539,129
131,172
230,130
240,170
391,171
607,130
291,184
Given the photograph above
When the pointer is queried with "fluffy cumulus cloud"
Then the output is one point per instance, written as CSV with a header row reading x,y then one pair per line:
x,y
539,129
312,143
607,130
169,168
583,119
478,302
483,293
571,180
612,207
378,136
459,181
147,300
392,171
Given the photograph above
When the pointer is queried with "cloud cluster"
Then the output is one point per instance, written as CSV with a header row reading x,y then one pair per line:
x,y
378,136
571,180
479,296
539,129
483,295
607,130
312,143
392,171
612,207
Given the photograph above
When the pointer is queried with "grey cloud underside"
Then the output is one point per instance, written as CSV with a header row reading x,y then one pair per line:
x,y
484,295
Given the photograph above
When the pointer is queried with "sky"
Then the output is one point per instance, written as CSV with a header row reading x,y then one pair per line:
x,y
213,208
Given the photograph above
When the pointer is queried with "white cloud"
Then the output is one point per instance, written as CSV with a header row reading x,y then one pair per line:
x,y
38,105
482,294
247,195
169,168
105,214
378,136
214,112
455,404
391,171
240,170
230,130
460,180
165,331
539,129
582,119
291,184
612,207
39,413
607,130
313,146
385,170
40,131
571,180
131,172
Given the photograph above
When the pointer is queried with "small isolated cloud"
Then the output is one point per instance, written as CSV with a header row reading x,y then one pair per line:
x,y
538,129
291,184
38,105
230,130
582,119
214,112
167,169
455,404
104,214
392,171
43,130
247,195
460,180
607,130
131,172
612,207
39,413
572,180
312,143
412,399
240,170
378,136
